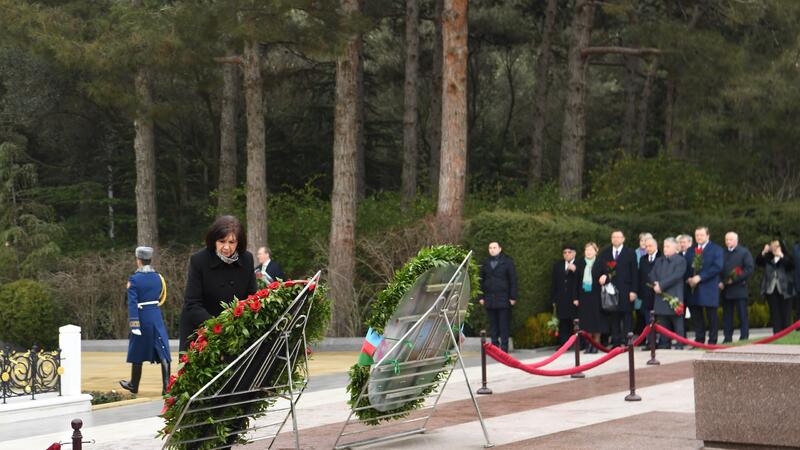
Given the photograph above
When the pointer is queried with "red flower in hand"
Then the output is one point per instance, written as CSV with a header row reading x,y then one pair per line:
x,y
255,305
217,328
738,271
679,309
612,264
698,251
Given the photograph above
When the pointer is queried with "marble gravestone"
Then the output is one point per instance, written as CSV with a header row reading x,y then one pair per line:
x,y
748,397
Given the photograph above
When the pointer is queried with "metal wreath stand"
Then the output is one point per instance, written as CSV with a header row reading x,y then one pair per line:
x,y
403,368
273,352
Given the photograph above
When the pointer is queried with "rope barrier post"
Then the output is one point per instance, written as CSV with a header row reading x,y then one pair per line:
x,y
576,328
653,361
632,397
483,390
77,437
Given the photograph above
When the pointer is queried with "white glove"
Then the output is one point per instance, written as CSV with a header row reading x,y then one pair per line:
x,y
136,331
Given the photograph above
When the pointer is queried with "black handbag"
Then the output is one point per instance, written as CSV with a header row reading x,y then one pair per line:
x,y
609,301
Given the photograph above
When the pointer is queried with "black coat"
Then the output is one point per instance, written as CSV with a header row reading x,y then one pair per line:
x,y
499,285
274,270
211,282
782,269
626,277
739,257
593,318
646,293
565,290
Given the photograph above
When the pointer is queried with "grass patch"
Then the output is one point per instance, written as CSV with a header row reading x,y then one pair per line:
x,y
790,339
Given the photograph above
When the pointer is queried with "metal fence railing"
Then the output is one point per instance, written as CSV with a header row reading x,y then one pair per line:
x,y
31,372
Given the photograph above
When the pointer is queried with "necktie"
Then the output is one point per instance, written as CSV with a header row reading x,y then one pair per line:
x,y
616,253
652,258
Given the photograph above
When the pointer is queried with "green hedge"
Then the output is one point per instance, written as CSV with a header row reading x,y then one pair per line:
x,y
534,242
29,315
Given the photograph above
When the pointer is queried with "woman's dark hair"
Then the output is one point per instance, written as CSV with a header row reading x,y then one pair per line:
x,y
223,226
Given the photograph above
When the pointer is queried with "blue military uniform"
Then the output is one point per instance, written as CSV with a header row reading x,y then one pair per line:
x,y
144,291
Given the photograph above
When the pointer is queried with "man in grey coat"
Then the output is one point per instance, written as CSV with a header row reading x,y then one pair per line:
x,y
737,267
666,277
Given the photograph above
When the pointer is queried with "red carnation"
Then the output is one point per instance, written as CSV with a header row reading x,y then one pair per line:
x,y
238,310
679,309
167,404
698,251
217,328
612,264
184,359
192,345
172,379
202,345
738,271
255,305
262,293
274,285
181,370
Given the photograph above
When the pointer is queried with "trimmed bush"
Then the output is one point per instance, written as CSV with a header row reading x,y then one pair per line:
x,y
29,315
534,332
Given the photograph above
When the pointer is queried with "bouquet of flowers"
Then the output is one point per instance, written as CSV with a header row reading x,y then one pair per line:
x,y
552,326
736,272
673,302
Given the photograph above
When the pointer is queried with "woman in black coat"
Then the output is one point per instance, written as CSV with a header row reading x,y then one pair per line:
x,y
777,285
592,317
218,273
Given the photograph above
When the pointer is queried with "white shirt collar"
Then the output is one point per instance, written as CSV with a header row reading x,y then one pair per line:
x,y
618,249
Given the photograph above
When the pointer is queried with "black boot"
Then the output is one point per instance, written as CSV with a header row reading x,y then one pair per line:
x,y
164,377
136,375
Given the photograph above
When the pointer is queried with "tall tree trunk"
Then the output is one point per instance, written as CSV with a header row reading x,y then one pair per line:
x,y
256,148
361,144
145,149
644,101
227,144
669,145
540,99
452,175
410,113
574,132
435,132
341,251
512,97
631,94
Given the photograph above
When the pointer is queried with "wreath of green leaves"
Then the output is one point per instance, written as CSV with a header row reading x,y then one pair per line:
x,y
382,310
219,340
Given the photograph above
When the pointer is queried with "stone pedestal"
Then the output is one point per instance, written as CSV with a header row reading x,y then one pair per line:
x,y
748,396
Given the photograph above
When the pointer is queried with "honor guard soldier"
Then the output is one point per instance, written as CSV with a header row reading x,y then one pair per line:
x,y
148,339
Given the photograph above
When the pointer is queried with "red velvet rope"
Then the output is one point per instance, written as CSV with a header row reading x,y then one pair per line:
x,y
555,355
666,332
594,343
504,358
642,336
779,334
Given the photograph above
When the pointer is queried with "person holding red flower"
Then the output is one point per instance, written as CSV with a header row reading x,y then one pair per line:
x,y
737,267
777,284
666,276
624,275
707,262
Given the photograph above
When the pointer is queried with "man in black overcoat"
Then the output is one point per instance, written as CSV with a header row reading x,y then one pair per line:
x,y
625,277
564,292
499,287
737,267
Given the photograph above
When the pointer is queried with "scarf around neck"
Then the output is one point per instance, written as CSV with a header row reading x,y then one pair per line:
x,y
233,258
587,274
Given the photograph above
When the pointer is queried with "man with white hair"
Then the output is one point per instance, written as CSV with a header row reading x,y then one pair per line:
x,y
737,267
646,294
667,279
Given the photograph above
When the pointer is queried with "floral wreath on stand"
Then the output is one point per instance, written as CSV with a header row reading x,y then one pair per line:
x,y
382,310
222,338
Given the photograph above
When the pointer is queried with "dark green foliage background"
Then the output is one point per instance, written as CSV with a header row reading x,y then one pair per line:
x,y
29,315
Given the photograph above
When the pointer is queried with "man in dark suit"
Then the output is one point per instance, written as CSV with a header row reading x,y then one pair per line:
x,y
564,292
499,287
646,293
267,269
705,283
685,247
625,278
737,267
